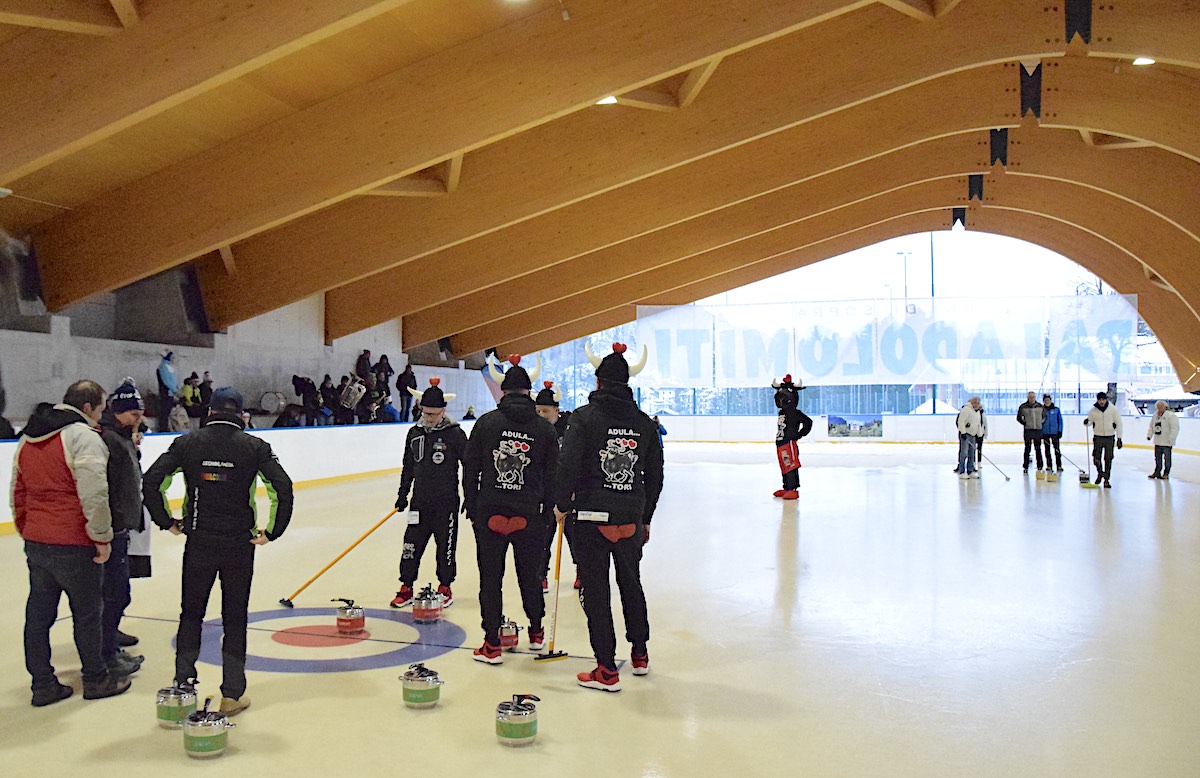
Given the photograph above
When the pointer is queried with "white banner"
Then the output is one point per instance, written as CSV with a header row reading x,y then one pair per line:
x,y
922,341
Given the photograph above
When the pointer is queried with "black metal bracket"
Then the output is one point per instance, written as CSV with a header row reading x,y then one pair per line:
x,y
999,147
1078,17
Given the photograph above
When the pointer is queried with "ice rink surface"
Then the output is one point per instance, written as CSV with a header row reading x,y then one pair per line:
x,y
895,621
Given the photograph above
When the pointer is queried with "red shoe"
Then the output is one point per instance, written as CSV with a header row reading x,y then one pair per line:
x,y
403,597
537,639
641,664
779,493
577,584
488,654
791,494
447,595
545,586
601,678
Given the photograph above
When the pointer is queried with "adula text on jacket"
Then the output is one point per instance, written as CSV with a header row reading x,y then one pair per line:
x,y
510,461
611,461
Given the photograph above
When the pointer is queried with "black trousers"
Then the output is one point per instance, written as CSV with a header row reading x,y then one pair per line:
x,y
1162,460
1033,438
791,481
1102,452
978,448
491,549
439,520
593,551
203,563
117,595
1051,444
54,570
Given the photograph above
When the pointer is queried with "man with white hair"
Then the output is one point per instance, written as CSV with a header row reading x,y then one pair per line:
x,y
970,425
1164,430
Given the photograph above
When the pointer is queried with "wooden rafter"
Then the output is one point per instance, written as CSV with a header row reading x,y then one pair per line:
x,y
226,253
59,15
127,12
363,142
695,81
439,180
922,10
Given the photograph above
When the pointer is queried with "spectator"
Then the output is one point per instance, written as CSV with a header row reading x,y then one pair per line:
x,y
168,387
362,367
206,390
139,540
1164,431
387,413
6,428
221,465
290,417
404,382
470,414
118,425
344,412
329,402
310,398
383,375
662,432
190,395
60,507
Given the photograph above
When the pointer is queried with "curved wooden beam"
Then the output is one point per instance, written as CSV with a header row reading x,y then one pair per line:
x,y
522,249
1129,231
62,94
509,80
1161,309
954,157
1152,179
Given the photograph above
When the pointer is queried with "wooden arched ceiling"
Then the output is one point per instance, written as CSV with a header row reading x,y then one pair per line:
x,y
748,136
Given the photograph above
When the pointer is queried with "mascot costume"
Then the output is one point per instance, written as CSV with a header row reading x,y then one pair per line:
x,y
793,425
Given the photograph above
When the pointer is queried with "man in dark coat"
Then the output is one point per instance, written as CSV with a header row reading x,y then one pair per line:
x,y
610,474
117,426
221,466
546,405
508,487
433,451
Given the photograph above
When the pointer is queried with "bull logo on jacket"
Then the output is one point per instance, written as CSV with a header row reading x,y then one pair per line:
x,y
617,461
510,460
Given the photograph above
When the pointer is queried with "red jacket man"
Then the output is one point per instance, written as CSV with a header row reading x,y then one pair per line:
x,y
60,506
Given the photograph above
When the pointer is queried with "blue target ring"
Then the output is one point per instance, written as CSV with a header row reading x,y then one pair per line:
x,y
433,640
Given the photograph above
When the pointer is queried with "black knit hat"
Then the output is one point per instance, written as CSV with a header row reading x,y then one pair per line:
x,y
546,395
614,367
126,398
515,378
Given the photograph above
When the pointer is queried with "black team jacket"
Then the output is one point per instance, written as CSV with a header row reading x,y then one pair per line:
x,y
510,462
124,474
431,459
611,461
793,424
221,465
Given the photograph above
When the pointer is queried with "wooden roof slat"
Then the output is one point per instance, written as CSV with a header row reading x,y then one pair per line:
x,y
501,83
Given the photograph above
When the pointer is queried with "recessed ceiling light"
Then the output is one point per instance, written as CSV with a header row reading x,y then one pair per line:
x,y
1143,61
610,100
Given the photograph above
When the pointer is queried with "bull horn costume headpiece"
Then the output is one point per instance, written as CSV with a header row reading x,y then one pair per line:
x,y
549,395
614,367
433,396
513,375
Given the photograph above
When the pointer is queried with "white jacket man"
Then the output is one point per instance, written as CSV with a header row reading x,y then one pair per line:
x,y
969,421
1164,431
1106,425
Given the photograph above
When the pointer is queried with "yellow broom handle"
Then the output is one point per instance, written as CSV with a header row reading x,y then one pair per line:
x,y
338,558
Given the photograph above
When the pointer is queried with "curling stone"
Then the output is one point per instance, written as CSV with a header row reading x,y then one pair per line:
x,y
351,619
206,733
509,634
517,721
422,687
427,606
174,704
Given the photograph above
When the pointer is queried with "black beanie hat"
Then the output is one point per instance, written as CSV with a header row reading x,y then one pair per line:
x,y
614,367
515,378
546,396
433,397
126,398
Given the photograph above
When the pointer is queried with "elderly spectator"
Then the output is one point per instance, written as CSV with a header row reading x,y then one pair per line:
x,y
1164,431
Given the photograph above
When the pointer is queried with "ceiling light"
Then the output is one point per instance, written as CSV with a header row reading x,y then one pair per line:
x,y
610,100
1143,61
